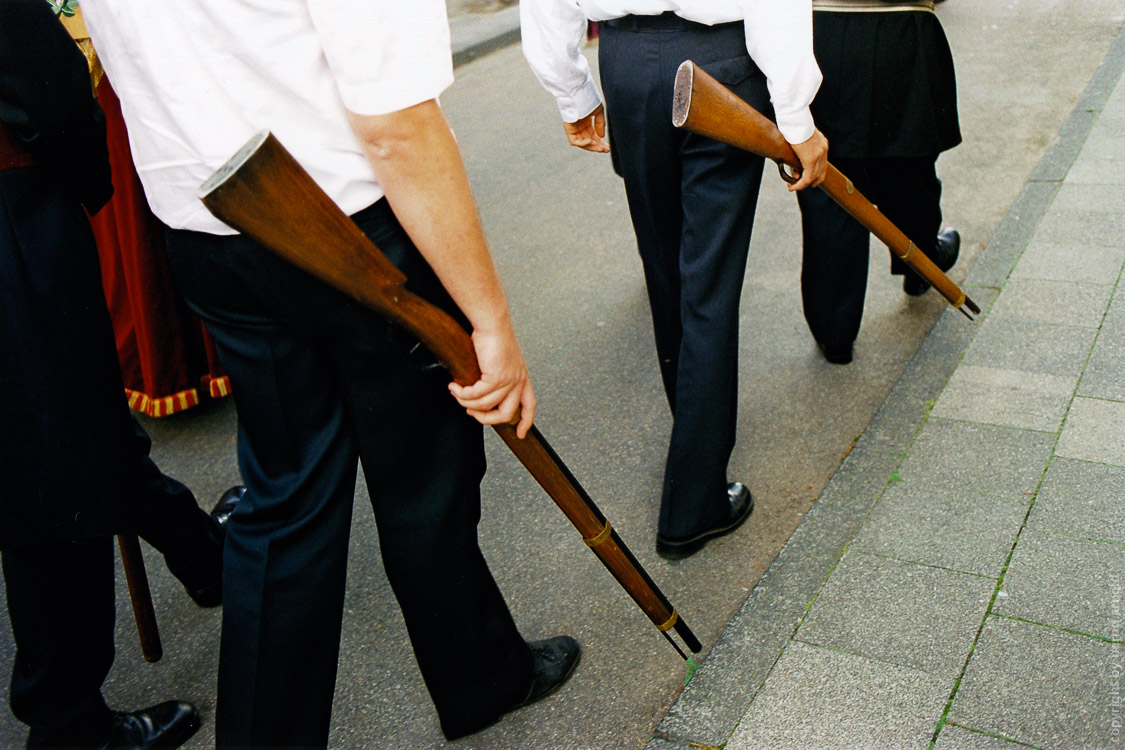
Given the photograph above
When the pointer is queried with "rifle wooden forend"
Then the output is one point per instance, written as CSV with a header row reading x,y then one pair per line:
x,y
326,243
704,106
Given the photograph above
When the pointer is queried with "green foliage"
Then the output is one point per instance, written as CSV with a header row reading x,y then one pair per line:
x,y
63,7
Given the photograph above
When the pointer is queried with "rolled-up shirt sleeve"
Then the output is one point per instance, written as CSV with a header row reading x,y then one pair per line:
x,y
779,38
552,32
386,55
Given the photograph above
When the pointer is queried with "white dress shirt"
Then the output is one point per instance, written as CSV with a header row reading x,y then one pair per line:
x,y
197,78
778,38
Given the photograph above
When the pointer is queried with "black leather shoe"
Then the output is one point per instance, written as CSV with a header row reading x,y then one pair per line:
x,y
226,505
837,354
741,505
553,662
203,578
945,253
169,724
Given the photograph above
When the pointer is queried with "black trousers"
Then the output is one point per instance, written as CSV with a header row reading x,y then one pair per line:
x,y
74,466
318,382
692,203
834,265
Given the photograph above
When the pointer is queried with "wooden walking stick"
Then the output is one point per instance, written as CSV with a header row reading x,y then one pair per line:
x,y
265,194
140,596
706,107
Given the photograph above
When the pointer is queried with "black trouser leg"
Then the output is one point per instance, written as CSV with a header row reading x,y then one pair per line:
x,y
835,246
60,601
316,380
833,268
692,203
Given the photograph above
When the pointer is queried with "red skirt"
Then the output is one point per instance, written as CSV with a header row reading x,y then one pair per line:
x,y
168,360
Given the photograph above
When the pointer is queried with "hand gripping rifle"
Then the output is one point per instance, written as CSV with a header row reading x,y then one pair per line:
x,y
265,194
706,107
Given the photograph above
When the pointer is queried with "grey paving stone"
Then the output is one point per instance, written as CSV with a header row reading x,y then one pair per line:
x,y
1077,584
1105,372
1094,431
976,459
1058,302
1043,687
1010,344
1102,160
1075,261
737,666
1081,499
1116,313
953,737
1090,212
1014,398
662,744
896,423
899,612
818,698
944,528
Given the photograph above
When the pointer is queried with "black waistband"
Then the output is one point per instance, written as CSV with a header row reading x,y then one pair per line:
x,y
666,21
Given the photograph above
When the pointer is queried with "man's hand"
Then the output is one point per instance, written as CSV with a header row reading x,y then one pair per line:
x,y
504,393
416,161
589,132
813,154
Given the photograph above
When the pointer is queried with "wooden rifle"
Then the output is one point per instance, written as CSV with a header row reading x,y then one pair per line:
x,y
265,194
706,107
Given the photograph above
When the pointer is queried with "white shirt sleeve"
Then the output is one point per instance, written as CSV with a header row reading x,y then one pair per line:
x,y
386,55
779,38
553,31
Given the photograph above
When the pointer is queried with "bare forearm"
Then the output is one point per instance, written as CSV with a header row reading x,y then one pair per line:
x,y
418,165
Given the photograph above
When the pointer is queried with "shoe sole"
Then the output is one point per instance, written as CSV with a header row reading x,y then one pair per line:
x,y
688,547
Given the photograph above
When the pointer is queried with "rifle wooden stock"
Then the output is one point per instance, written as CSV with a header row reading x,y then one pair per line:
x,y
706,107
265,194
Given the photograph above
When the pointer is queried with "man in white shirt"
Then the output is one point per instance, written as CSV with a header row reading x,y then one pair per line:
x,y
691,199
351,90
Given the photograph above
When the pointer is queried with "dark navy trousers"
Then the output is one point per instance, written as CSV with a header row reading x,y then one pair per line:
x,y
835,246
692,202
320,383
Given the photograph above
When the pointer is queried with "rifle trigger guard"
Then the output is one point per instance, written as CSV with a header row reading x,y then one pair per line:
x,y
789,177
600,538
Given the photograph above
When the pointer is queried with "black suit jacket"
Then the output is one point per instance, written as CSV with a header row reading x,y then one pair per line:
x,y
46,101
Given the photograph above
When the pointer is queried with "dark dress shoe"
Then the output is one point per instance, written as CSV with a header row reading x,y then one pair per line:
x,y
741,505
209,594
837,354
169,724
203,578
226,505
945,253
553,661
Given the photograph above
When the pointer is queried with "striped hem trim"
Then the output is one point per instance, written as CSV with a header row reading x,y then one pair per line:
x,y
218,387
164,405
871,6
